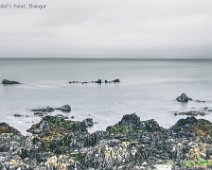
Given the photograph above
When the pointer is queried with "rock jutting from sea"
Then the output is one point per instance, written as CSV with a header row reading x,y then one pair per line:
x,y
9,82
59,144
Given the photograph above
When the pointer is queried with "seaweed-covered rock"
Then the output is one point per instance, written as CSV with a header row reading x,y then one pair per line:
x,y
131,127
199,127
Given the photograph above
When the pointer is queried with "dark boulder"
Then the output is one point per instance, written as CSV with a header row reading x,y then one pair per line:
x,y
191,125
183,98
150,125
65,108
115,81
9,82
130,119
99,81
5,128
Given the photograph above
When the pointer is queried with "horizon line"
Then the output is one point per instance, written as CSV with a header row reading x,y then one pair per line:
x,y
106,58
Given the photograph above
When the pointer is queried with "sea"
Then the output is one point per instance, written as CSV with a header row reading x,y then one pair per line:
x,y
148,87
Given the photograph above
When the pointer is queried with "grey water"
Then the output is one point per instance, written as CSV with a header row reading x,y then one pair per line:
x,y
148,88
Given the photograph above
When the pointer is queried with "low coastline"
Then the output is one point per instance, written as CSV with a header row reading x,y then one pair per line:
x,y
56,143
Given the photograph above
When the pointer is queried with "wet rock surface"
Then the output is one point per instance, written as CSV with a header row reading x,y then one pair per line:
x,y
59,144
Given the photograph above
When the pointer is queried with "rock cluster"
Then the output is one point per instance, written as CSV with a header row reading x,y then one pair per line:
x,y
183,98
99,81
61,144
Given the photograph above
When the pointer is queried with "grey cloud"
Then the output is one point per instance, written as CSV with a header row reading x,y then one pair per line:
x,y
113,27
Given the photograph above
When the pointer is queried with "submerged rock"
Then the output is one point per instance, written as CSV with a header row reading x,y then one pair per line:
x,y
65,108
191,113
183,98
9,82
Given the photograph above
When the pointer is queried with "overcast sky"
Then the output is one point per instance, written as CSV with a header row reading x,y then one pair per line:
x,y
108,28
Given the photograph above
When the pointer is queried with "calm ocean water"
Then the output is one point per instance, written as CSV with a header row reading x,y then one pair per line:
x,y
148,88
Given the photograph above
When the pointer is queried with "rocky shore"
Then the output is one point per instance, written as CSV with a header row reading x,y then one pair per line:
x,y
59,144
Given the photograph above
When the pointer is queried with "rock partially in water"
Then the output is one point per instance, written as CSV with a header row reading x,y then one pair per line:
x,y
65,108
99,81
115,81
183,98
9,82
46,109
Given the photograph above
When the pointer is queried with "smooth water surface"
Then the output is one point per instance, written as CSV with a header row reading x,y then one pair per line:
x,y
148,88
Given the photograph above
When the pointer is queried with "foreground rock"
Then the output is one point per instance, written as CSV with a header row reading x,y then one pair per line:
x,y
9,82
62,144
